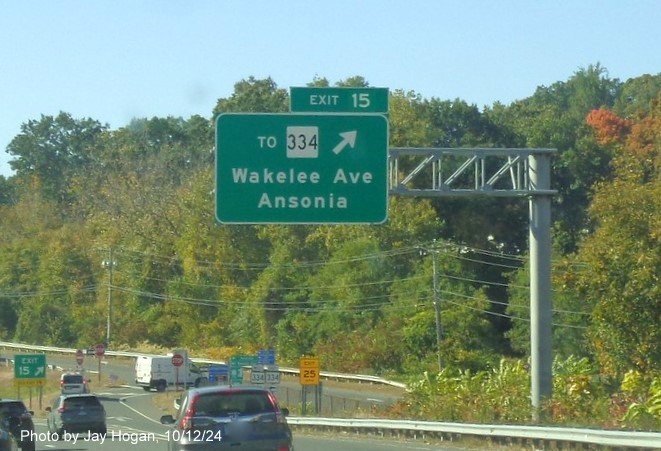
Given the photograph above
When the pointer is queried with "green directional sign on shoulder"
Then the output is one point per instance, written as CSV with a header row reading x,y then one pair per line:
x,y
237,362
30,369
338,100
301,168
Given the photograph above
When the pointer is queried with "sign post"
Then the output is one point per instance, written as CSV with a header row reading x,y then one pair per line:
x,y
30,370
268,375
177,361
219,374
80,356
301,168
237,362
309,375
309,371
99,351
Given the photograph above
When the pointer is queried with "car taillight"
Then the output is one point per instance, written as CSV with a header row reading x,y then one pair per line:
x,y
279,416
283,448
187,420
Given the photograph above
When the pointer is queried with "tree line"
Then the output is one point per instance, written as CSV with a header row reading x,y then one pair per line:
x,y
140,199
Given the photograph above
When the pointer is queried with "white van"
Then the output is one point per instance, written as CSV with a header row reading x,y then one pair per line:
x,y
159,373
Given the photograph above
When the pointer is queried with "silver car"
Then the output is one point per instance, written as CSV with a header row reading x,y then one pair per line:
x,y
76,413
236,418
73,383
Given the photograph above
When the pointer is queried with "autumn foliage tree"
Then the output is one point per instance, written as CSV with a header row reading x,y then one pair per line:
x,y
608,127
622,256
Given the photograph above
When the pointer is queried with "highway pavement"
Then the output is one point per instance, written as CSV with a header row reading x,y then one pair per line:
x,y
133,417
133,424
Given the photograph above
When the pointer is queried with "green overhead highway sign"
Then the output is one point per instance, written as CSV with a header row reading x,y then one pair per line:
x,y
301,168
338,100
29,369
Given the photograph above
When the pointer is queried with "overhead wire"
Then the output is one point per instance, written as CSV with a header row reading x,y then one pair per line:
x,y
445,249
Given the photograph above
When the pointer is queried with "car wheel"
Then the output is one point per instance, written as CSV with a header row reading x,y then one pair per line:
x,y
162,385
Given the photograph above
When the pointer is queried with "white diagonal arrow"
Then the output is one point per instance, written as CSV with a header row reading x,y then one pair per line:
x,y
348,139
38,371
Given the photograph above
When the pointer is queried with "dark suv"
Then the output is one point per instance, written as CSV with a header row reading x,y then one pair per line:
x,y
76,413
7,440
19,422
236,418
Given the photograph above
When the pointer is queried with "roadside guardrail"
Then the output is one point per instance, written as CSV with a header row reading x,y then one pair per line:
x,y
291,371
537,435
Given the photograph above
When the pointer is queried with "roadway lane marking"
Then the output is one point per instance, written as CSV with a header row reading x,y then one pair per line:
x,y
122,419
122,401
108,393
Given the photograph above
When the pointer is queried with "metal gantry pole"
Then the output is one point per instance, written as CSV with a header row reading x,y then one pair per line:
x,y
541,358
530,176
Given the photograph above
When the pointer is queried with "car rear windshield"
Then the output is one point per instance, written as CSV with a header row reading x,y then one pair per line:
x,y
82,401
228,403
12,408
72,379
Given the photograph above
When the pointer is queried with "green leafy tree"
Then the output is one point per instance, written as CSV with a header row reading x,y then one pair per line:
x,y
623,262
53,151
254,96
570,316
62,301
353,82
406,121
7,191
555,117
636,97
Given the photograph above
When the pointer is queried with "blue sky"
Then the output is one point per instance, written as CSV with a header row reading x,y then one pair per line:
x,y
117,60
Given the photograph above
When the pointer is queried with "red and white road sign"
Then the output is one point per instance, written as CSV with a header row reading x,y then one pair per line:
x,y
80,355
99,350
177,360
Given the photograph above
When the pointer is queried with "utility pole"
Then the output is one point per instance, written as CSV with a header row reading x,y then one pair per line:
x,y
437,309
110,263
437,300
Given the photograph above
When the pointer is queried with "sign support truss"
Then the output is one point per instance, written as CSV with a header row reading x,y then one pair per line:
x,y
435,172
445,172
